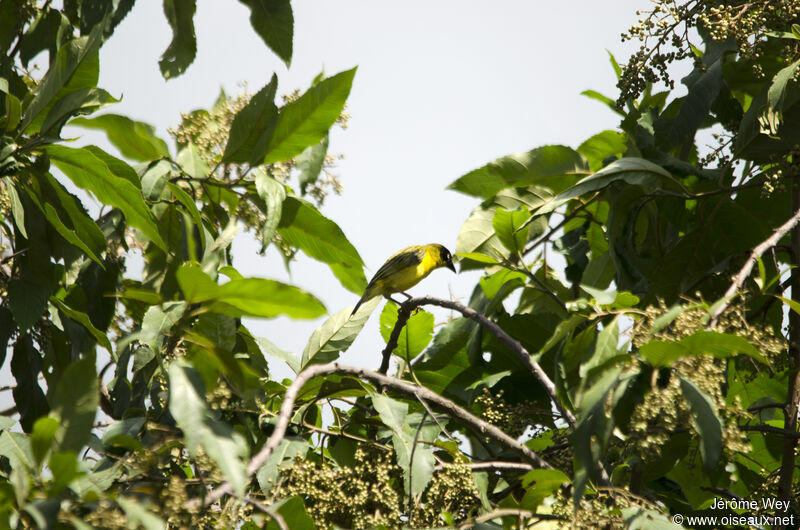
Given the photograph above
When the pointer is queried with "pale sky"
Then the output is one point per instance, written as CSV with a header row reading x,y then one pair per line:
x,y
442,88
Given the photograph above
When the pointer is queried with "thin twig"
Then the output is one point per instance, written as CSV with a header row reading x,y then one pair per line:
x,y
766,406
8,258
510,342
769,428
492,465
456,412
433,416
278,518
744,272
567,217
510,512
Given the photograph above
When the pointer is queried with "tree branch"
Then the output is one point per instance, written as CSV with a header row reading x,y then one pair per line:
x,y
790,411
511,343
492,465
567,217
756,253
769,428
456,412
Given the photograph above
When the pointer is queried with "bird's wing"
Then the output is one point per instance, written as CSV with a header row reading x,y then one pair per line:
x,y
408,257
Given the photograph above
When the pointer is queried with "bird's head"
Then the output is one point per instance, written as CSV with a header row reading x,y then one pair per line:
x,y
445,258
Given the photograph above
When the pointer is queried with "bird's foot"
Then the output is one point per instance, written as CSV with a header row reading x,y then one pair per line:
x,y
393,300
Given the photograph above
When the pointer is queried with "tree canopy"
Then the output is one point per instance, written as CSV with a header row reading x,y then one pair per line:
x,y
655,375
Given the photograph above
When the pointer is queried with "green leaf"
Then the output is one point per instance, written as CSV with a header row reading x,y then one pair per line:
x,y
614,64
13,113
6,422
720,345
705,421
336,334
274,23
294,514
492,284
83,319
637,518
91,173
98,481
479,258
27,301
183,48
17,211
306,120
134,139
601,296
26,366
249,296
47,32
662,352
192,163
81,102
415,459
17,448
123,433
304,227
139,516
187,405
88,235
74,403
281,458
794,305
188,202
773,114
597,96
273,194
42,437
605,349
507,226
52,217
540,484
703,90
253,125
157,322
550,166
599,273
597,149
415,335
289,358
351,278
65,469
634,171
392,412
310,163
76,67
666,319
477,235
267,299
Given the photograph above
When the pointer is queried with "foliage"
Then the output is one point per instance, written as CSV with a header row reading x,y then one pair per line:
x,y
139,394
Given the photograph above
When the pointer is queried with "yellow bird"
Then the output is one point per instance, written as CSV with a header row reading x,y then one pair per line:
x,y
405,269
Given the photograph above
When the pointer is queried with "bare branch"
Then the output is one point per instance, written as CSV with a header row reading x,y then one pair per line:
x,y
492,465
511,343
456,412
769,428
756,253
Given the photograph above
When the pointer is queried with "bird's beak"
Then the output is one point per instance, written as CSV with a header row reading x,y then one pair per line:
x,y
450,265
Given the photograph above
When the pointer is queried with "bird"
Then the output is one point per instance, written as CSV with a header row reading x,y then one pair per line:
x,y
404,270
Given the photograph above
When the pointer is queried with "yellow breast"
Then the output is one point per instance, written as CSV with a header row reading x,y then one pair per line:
x,y
410,276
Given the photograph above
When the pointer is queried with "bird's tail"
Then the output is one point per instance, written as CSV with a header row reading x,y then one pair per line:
x,y
367,295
